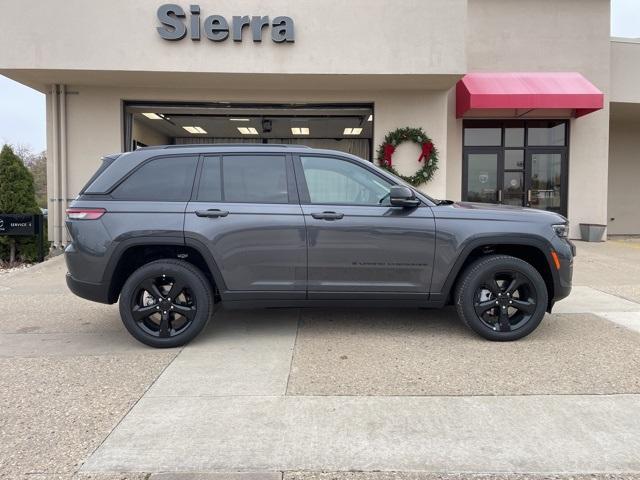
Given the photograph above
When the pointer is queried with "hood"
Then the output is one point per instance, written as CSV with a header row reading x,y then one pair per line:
x,y
491,211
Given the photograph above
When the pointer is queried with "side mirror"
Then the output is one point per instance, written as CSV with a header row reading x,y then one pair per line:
x,y
401,196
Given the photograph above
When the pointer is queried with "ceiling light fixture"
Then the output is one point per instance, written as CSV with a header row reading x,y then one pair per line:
x,y
195,130
247,130
370,119
352,131
238,119
152,116
300,130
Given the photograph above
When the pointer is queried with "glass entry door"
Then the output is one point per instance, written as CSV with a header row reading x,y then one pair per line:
x,y
493,177
520,163
546,180
482,176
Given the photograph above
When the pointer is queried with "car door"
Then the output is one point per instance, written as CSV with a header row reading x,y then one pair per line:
x,y
359,246
246,211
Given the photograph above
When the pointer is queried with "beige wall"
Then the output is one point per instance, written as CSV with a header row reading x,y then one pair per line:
x,y
94,121
552,35
624,175
624,141
454,149
625,71
332,37
403,58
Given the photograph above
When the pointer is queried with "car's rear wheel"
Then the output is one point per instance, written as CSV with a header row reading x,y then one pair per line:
x,y
501,297
166,303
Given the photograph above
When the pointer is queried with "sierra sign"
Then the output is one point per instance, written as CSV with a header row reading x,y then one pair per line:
x,y
216,27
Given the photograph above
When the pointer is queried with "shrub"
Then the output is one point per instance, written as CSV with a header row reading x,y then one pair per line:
x,y
17,195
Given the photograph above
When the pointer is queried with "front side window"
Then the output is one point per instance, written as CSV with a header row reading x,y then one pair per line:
x,y
255,179
167,179
334,181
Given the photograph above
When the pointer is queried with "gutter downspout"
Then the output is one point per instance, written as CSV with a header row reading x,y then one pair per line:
x,y
63,164
55,130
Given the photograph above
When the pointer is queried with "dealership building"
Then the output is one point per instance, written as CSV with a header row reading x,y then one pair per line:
x,y
527,102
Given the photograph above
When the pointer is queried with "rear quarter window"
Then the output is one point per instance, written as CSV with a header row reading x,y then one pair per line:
x,y
166,179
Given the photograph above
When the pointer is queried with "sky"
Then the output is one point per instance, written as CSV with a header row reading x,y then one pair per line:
x,y
22,110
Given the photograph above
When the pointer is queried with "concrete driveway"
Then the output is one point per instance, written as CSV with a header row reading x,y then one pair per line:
x,y
323,394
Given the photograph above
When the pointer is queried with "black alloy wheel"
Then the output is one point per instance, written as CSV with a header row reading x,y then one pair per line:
x,y
166,303
163,306
505,300
501,297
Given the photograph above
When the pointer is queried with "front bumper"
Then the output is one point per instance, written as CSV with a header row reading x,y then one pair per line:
x,y
562,278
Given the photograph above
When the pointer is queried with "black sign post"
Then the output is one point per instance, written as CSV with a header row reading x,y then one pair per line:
x,y
23,225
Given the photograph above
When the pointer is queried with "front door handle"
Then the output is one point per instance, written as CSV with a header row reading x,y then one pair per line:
x,y
327,216
212,213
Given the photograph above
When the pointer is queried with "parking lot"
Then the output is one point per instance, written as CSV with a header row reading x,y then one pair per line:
x,y
326,394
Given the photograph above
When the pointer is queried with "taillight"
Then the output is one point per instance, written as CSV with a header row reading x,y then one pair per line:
x,y
85,213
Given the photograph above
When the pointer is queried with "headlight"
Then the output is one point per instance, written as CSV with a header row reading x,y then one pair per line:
x,y
562,229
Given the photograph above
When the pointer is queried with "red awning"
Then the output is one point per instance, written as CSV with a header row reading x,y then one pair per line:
x,y
524,94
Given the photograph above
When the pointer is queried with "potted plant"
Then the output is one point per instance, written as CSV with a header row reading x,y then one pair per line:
x,y
592,232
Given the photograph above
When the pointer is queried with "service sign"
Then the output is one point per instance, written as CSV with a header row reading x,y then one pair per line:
x,y
17,224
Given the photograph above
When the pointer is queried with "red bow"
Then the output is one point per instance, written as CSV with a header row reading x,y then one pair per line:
x,y
388,152
427,148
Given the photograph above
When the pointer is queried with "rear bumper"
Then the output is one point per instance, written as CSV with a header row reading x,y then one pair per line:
x,y
96,292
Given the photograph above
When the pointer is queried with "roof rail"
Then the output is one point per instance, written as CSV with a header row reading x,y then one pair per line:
x,y
243,145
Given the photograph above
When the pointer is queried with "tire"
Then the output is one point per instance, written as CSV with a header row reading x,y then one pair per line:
x,y
502,298
154,318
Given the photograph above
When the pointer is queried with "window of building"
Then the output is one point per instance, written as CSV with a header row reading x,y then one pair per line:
x,y
516,162
255,179
546,133
334,181
482,137
167,179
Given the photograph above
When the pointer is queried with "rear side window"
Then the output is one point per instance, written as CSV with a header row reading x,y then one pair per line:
x,y
210,189
255,179
106,161
167,179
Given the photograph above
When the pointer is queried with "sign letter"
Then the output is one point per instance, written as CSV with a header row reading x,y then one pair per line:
x,y
216,28
257,24
195,22
282,30
169,16
238,24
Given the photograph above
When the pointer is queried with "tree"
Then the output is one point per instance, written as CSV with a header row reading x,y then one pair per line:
x,y
17,193
38,168
37,165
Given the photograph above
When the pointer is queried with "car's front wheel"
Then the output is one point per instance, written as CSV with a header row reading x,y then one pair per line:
x,y
501,297
166,303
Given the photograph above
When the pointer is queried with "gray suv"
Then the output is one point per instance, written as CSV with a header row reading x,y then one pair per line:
x,y
174,231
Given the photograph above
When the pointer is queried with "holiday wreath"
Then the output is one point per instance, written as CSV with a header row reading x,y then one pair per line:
x,y
428,154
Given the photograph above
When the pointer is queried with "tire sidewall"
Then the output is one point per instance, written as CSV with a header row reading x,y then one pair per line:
x,y
471,281
196,282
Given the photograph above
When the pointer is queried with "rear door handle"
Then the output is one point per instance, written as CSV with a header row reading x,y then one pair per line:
x,y
212,213
327,216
